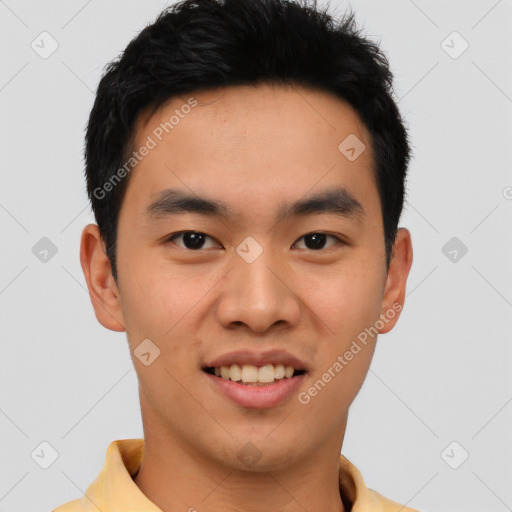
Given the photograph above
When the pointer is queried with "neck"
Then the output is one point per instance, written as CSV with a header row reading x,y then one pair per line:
x,y
175,475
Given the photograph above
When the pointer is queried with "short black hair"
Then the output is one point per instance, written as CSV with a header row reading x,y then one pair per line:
x,y
203,44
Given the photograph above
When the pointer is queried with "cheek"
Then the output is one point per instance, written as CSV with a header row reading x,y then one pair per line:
x,y
148,293
157,304
160,308
346,305
345,301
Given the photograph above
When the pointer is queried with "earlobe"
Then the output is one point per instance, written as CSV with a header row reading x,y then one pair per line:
x,y
103,290
396,281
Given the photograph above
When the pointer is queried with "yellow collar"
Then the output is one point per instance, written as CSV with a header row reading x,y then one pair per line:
x,y
115,491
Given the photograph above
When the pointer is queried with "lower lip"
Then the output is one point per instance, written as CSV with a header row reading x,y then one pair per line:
x,y
257,397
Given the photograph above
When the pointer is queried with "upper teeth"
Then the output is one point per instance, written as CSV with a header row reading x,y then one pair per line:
x,y
251,373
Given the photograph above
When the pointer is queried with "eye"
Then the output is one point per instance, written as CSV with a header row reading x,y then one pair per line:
x,y
316,241
193,240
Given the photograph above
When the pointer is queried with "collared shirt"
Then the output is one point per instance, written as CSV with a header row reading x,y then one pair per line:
x,y
115,491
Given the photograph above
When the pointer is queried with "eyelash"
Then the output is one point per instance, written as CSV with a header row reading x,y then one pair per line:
x,y
179,233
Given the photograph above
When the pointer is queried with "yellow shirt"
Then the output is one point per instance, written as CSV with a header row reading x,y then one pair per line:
x,y
115,491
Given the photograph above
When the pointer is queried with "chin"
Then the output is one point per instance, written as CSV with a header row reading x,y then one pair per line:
x,y
258,453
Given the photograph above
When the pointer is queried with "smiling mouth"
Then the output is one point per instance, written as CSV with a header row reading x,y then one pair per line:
x,y
251,375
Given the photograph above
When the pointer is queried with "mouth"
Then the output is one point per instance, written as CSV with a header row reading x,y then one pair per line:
x,y
256,380
252,375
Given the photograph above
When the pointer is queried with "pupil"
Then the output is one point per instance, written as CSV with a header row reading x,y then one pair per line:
x,y
318,240
193,240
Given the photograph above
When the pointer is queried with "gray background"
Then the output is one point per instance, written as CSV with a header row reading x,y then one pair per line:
x,y
442,375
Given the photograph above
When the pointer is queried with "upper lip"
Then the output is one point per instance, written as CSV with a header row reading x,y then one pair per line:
x,y
242,357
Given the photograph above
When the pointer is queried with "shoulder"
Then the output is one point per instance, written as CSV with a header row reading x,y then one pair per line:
x,y
72,506
387,505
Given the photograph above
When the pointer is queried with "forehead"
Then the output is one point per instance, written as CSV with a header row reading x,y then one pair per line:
x,y
250,113
247,143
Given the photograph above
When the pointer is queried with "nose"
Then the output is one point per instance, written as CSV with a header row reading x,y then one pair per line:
x,y
258,295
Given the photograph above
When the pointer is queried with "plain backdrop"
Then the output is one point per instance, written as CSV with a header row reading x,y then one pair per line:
x,y
431,426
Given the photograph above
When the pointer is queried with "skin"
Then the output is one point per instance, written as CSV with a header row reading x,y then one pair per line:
x,y
252,147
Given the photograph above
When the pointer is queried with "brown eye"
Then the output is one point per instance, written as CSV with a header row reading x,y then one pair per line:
x,y
317,241
192,240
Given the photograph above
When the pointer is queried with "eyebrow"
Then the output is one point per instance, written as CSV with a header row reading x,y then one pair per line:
x,y
337,201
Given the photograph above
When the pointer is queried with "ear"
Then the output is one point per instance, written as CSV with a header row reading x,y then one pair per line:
x,y
103,290
394,294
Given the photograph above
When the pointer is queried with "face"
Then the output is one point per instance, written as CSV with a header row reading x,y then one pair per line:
x,y
276,257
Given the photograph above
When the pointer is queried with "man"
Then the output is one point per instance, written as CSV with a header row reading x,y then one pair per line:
x,y
246,163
